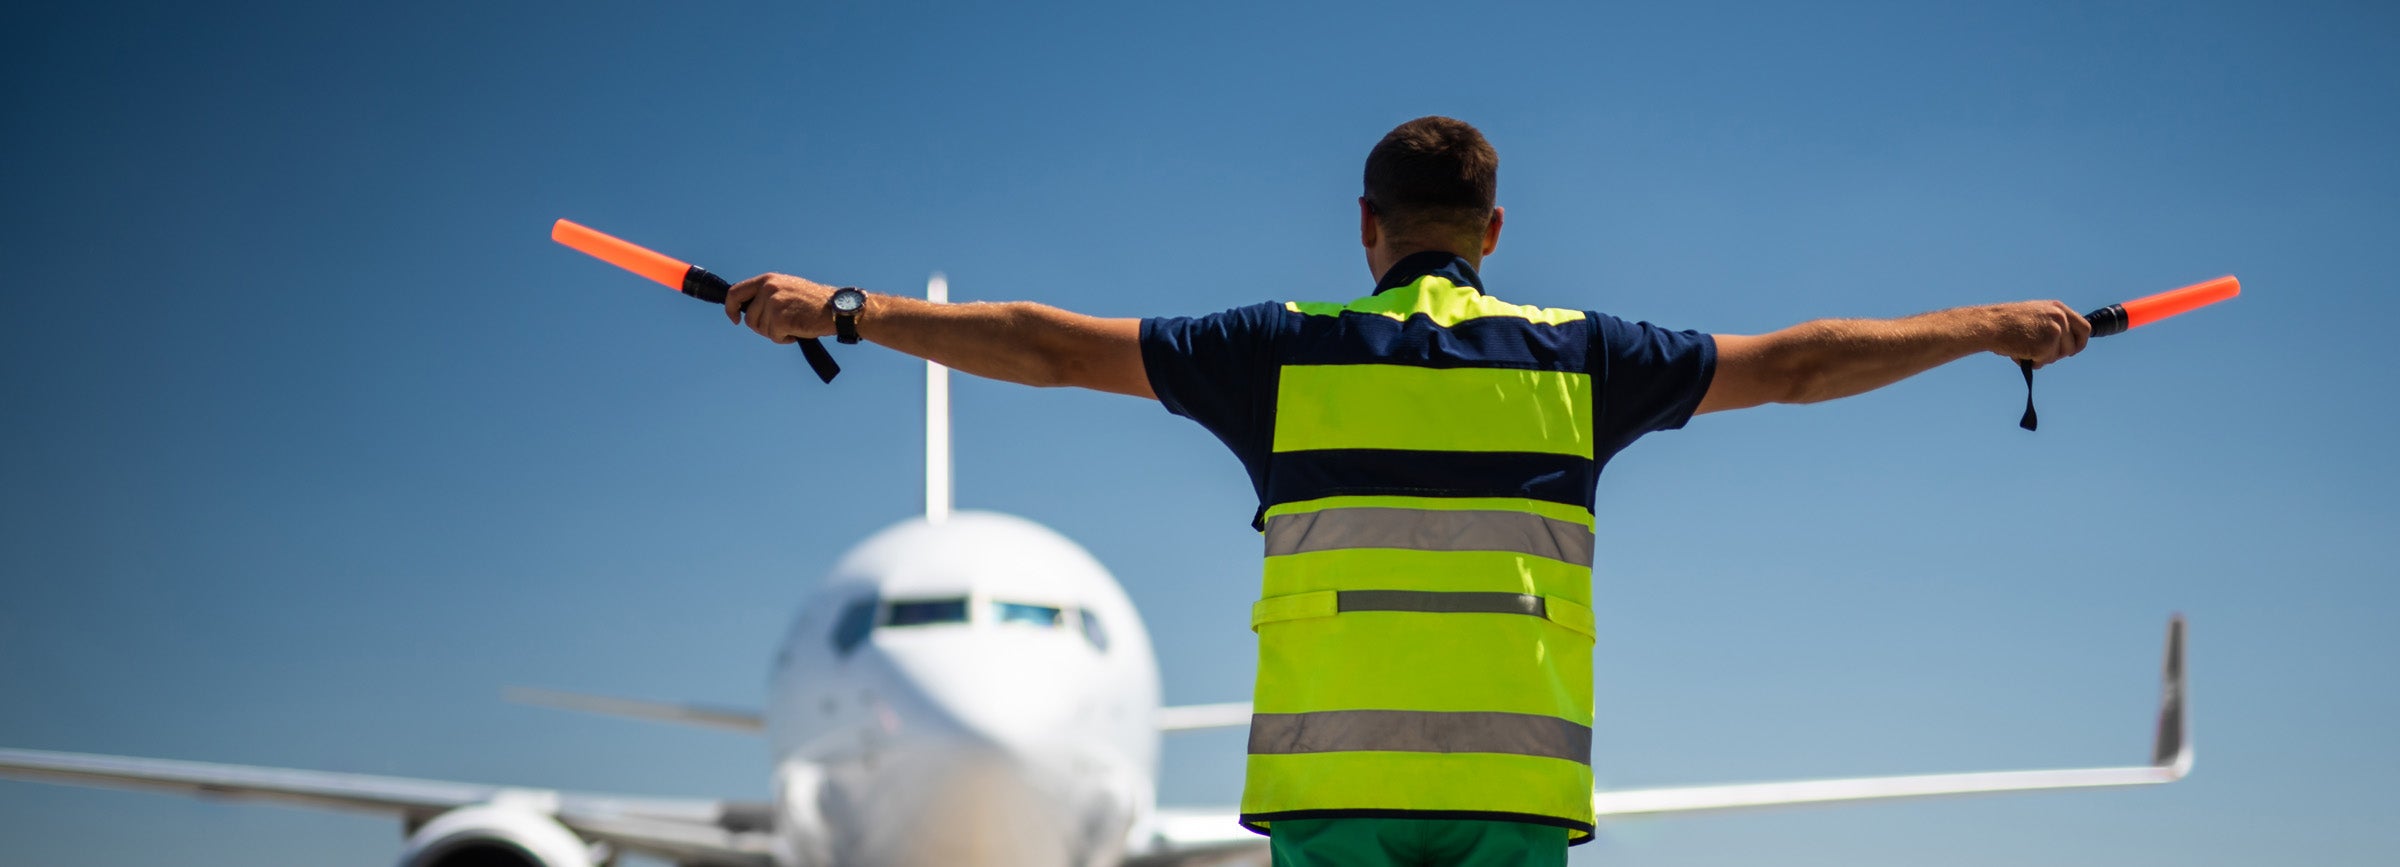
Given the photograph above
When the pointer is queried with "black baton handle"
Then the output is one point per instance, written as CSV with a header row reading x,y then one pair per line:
x,y
700,283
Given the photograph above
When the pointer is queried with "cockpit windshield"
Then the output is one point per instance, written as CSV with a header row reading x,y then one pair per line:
x,y
861,616
1046,616
926,612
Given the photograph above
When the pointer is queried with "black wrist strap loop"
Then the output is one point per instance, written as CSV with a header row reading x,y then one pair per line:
x,y
2030,421
819,360
2105,321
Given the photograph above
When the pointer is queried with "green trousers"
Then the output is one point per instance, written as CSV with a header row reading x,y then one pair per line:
x,y
1415,842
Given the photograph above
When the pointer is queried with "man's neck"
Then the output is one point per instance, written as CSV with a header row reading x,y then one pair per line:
x,y
1422,263
1383,260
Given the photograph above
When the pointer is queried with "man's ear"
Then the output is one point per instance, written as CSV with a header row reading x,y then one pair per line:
x,y
1491,231
1368,231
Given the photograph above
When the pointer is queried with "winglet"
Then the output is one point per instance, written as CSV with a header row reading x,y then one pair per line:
x,y
2174,747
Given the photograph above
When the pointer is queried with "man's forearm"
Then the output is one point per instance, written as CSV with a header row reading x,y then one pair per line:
x,y
1016,341
1835,358
995,340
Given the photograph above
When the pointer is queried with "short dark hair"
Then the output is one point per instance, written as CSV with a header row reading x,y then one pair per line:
x,y
1433,173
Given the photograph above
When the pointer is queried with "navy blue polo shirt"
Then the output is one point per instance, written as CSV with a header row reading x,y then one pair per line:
x,y
1220,370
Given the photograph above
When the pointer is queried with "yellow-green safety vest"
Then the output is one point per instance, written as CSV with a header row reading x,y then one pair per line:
x,y
1425,624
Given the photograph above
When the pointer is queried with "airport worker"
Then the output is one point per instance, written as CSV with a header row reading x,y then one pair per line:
x,y
1425,458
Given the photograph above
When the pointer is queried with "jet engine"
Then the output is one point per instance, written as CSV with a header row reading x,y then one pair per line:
x,y
495,835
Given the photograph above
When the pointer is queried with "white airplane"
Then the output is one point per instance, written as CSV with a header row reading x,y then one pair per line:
x,y
963,689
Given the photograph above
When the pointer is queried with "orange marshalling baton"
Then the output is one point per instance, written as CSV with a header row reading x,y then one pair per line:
x,y
675,274
2118,318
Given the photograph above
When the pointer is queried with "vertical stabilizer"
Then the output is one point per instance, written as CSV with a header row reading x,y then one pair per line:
x,y
937,421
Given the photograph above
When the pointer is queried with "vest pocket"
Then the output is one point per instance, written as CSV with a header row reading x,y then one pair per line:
x,y
1567,613
1296,606
1570,614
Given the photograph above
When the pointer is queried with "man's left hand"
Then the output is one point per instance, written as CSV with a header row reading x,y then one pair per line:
x,y
783,308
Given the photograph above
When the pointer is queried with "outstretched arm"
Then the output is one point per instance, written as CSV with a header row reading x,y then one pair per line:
x,y
1015,341
1832,358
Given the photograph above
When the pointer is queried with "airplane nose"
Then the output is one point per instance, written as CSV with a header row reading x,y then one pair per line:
x,y
1016,694
988,811
991,719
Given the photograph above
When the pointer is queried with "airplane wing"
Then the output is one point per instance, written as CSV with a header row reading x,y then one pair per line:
x,y
1188,837
709,716
1189,717
1195,837
2171,759
717,833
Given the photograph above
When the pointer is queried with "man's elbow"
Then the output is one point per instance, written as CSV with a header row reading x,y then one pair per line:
x,y
1042,359
1051,370
1058,364
1808,382
1802,359
1093,371
1783,370
1088,353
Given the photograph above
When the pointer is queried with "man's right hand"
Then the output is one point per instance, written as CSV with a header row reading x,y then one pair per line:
x,y
2038,331
781,307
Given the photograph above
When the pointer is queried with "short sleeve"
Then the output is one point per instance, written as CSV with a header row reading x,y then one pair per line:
x,y
1650,379
1219,370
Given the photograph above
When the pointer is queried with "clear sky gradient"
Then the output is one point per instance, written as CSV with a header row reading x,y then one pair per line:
x,y
314,442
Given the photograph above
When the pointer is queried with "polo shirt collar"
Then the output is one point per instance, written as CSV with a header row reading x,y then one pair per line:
x,y
1436,263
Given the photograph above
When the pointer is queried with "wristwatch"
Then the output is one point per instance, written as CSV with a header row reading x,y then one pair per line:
x,y
847,301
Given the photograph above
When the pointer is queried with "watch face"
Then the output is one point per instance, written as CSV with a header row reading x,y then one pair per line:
x,y
848,300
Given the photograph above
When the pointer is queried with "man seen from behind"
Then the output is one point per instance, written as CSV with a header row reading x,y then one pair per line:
x,y
1426,458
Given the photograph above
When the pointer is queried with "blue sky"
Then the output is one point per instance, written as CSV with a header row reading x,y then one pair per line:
x,y
314,441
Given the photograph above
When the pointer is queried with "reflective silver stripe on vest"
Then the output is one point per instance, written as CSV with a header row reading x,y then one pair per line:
x,y
1412,731
1430,530
1441,602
